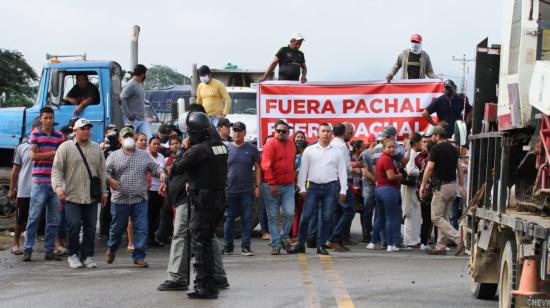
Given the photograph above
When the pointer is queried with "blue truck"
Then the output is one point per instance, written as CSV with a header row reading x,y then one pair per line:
x,y
56,80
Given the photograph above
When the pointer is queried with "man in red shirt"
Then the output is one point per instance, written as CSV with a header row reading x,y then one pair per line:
x,y
277,164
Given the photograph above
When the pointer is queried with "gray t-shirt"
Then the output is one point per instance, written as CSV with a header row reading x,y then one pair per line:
x,y
133,100
240,162
23,160
369,163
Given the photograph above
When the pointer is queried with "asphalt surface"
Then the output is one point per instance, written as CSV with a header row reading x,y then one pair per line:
x,y
359,278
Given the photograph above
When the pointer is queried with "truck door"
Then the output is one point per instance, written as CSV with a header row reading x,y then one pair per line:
x,y
93,112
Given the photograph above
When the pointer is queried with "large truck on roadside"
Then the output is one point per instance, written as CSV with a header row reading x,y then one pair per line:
x,y
506,226
57,78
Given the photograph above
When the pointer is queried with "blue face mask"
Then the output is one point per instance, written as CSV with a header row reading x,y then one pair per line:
x,y
205,79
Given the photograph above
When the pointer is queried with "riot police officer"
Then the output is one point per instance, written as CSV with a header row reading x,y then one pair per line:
x,y
205,162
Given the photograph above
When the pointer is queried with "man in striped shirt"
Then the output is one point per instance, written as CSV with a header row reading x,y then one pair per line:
x,y
44,142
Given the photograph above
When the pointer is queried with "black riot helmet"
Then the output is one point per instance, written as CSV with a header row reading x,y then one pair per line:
x,y
198,126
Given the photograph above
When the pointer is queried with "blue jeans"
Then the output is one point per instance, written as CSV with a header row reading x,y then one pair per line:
x,y
62,227
264,226
313,227
85,216
238,204
42,196
389,198
343,224
323,196
140,126
369,204
214,120
284,200
121,213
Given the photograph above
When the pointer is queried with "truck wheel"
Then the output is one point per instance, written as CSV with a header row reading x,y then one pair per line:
x,y
237,227
7,207
484,290
507,278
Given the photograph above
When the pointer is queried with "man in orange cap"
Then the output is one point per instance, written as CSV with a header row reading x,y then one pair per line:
x,y
415,62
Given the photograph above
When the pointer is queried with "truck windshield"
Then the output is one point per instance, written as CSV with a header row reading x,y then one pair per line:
x,y
243,103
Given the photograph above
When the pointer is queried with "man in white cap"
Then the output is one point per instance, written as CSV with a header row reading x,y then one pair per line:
x,y
414,61
290,60
78,166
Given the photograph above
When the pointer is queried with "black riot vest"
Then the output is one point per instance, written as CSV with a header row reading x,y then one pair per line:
x,y
211,174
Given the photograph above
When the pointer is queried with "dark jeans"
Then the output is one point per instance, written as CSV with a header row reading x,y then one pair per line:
x,y
313,229
138,213
427,225
264,225
85,216
62,227
153,213
456,211
343,223
388,200
324,196
166,223
105,218
238,205
369,204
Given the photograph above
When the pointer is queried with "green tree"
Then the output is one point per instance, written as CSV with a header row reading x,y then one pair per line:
x,y
17,78
162,76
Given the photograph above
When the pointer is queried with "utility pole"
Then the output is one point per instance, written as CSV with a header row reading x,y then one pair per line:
x,y
464,61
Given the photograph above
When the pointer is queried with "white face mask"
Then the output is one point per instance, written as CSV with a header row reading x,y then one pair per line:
x,y
205,79
416,48
128,143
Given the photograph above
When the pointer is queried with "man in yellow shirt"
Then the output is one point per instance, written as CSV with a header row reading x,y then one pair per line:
x,y
211,93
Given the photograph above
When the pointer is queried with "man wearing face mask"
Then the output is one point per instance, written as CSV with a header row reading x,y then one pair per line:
x,y
127,170
449,108
415,62
205,163
212,94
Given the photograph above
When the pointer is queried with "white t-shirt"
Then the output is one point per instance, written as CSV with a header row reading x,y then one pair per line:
x,y
155,181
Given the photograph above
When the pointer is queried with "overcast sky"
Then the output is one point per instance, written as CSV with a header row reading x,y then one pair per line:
x,y
345,40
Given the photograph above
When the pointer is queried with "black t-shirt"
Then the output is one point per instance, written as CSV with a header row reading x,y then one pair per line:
x,y
449,109
81,94
413,66
445,156
290,63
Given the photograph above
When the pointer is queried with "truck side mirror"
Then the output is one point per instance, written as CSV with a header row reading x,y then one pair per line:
x,y
54,84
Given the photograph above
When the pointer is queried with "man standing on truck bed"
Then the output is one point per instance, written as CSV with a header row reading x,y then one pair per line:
x,y
445,166
415,62
133,101
290,60
83,93
44,142
212,94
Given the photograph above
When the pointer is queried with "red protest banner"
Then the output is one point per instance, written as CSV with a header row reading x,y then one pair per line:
x,y
368,106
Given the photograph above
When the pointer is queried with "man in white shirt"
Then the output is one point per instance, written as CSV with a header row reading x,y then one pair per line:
x,y
324,167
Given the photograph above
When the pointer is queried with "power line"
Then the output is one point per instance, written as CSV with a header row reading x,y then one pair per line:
x,y
464,62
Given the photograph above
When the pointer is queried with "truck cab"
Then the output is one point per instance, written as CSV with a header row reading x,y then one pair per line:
x,y
57,79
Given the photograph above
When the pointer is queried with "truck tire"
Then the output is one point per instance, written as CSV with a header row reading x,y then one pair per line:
x,y
484,290
7,207
237,227
507,276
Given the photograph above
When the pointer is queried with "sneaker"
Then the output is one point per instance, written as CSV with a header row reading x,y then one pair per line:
x,y
275,251
400,246
26,256
425,247
50,256
227,250
247,252
371,246
89,263
392,248
74,261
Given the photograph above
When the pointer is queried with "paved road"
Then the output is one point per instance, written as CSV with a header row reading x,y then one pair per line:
x,y
359,278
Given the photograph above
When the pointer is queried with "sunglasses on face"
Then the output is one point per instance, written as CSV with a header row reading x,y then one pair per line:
x,y
281,131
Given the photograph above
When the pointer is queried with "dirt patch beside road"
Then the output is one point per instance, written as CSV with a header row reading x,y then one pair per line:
x,y
5,241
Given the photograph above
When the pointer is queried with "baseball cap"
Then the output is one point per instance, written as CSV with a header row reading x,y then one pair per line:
x,y
389,131
239,126
81,123
438,130
297,36
224,122
126,130
282,122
